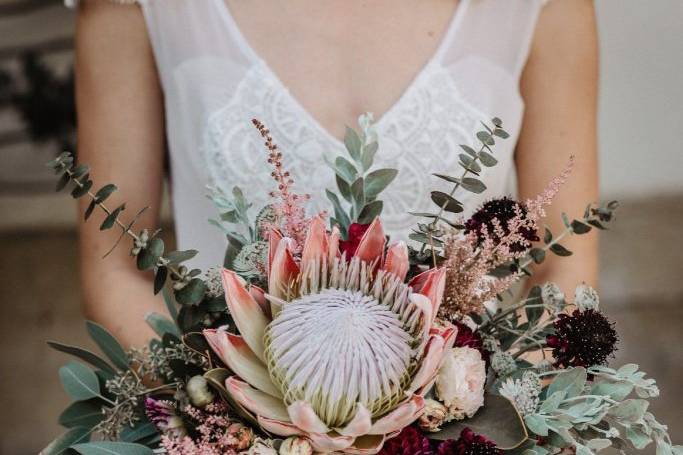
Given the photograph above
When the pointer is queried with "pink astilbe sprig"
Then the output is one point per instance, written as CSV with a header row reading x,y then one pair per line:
x,y
214,433
289,206
470,258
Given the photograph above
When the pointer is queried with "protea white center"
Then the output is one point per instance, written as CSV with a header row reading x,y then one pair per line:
x,y
338,348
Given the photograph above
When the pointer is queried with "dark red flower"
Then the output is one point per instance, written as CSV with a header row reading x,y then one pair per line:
x,y
408,442
503,210
467,337
582,339
469,443
350,245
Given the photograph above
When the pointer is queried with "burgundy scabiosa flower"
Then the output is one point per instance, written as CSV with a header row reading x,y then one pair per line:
x,y
469,338
504,210
582,339
469,443
408,442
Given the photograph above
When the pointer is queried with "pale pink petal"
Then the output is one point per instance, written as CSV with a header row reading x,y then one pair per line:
x,y
279,428
246,312
333,243
274,237
424,305
405,414
234,352
359,425
326,443
371,246
396,261
434,353
259,295
315,246
303,416
283,270
259,403
432,284
367,445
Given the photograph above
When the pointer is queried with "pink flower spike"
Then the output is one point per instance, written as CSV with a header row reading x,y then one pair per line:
x,y
371,246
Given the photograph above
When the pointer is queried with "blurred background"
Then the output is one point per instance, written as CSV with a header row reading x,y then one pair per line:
x,y
641,154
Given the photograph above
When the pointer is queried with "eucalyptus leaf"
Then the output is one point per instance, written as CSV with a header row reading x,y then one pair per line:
x,y
192,293
104,192
108,344
353,143
501,133
498,420
470,164
162,325
579,227
61,445
377,181
487,159
160,277
537,254
469,150
473,185
112,448
85,414
547,236
370,212
109,221
571,381
447,202
486,138
560,250
89,210
140,431
536,424
63,181
83,354
79,171
149,256
79,381
82,189
177,257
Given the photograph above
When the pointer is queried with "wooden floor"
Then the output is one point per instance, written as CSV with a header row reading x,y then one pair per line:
x,y
38,290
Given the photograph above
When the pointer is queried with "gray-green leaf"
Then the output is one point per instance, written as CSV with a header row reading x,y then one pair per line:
x,y
112,448
60,445
352,143
378,180
108,344
79,381
370,212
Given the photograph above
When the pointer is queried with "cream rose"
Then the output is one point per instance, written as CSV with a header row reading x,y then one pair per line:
x,y
460,382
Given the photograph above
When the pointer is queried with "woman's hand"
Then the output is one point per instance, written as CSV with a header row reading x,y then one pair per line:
x,y
559,87
121,136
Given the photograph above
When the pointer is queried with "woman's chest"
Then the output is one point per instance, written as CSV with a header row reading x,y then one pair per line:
x,y
339,59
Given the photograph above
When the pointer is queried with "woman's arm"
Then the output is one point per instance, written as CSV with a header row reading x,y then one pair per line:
x,y
559,86
120,135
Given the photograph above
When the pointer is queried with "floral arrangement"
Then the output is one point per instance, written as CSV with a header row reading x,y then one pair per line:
x,y
321,335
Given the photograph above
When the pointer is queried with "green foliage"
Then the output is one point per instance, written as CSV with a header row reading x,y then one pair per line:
x,y
83,354
108,344
358,186
61,445
112,448
86,414
79,381
471,163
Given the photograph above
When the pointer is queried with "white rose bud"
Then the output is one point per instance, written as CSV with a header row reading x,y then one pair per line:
x,y
433,416
296,445
199,393
460,382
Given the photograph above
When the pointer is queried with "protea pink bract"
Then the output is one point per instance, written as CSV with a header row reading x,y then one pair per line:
x,y
339,351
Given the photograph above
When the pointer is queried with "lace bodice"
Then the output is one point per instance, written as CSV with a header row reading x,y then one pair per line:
x,y
214,84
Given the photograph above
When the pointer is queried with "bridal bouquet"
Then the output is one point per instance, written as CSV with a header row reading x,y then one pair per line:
x,y
321,335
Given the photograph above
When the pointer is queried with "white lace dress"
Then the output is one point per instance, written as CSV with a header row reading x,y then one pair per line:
x,y
214,84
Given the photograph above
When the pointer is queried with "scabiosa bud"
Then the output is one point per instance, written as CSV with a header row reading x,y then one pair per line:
x,y
586,298
199,393
552,297
582,339
503,210
471,443
408,442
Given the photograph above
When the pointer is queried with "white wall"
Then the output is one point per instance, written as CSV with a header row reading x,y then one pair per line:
x,y
641,102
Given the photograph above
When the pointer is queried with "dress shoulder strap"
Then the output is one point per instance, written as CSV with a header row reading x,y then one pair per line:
x,y
498,31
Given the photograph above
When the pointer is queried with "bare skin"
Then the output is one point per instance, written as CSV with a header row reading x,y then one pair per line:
x,y
335,75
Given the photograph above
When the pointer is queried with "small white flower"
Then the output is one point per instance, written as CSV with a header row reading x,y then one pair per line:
x,y
460,382
552,296
296,445
523,393
261,447
612,433
586,298
198,391
503,363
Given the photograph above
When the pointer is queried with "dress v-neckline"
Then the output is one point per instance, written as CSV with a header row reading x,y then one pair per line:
x,y
256,59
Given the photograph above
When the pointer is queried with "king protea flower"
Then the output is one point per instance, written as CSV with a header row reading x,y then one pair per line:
x,y
338,351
